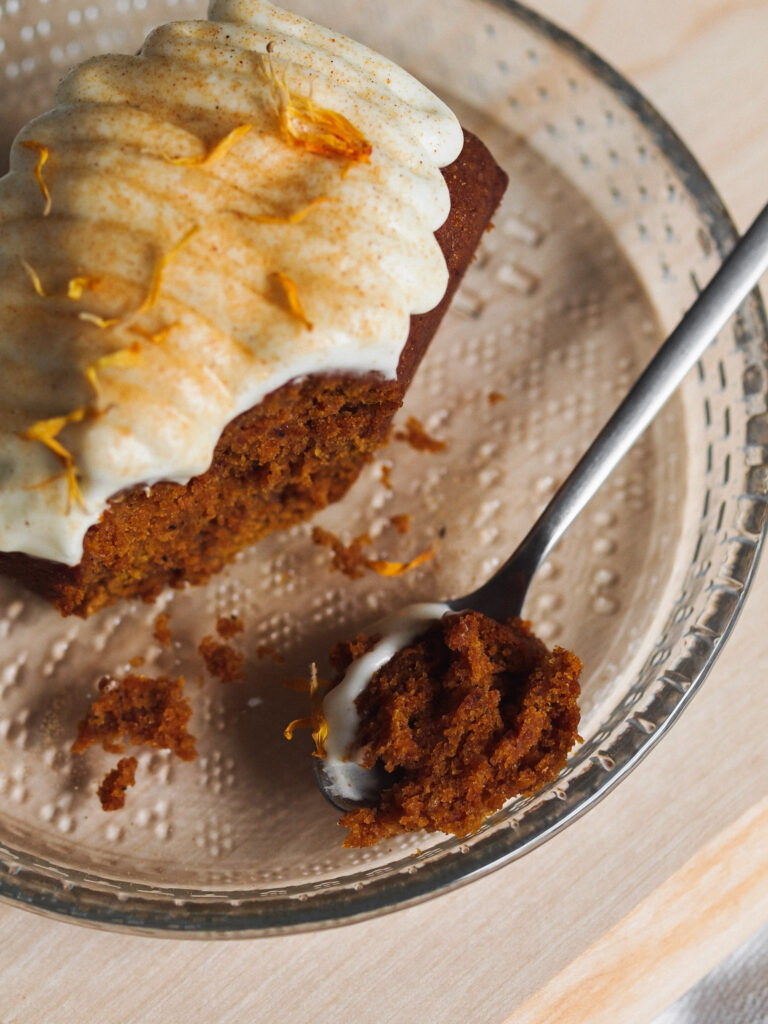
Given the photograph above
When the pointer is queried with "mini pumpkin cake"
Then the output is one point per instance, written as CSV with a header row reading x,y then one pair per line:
x,y
221,262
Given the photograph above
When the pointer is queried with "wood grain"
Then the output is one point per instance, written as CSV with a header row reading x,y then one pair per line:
x,y
702,63
666,875
685,927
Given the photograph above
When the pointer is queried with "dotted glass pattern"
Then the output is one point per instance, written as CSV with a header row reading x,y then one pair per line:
x,y
607,231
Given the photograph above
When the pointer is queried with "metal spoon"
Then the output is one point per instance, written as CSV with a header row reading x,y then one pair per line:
x,y
348,786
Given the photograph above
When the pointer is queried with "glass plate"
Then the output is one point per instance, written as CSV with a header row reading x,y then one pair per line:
x,y
608,229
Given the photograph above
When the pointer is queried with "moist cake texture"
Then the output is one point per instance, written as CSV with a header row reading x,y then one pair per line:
x,y
223,259
467,715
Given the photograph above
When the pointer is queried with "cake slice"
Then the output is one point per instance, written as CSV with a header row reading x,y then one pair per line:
x,y
222,260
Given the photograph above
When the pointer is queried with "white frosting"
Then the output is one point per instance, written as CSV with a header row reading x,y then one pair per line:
x,y
362,260
342,772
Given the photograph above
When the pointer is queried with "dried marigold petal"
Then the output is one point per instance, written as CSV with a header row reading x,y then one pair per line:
x,y
75,288
77,285
157,276
158,337
46,432
321,131
316,129
297,723
42,158
218,152
131,356
293,218
292,295
99,321
34,277
316,720
320,735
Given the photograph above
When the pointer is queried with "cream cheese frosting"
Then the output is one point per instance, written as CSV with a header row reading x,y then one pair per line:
x,y
344,776
249,200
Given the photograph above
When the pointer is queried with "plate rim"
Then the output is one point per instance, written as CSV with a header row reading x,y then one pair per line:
x,y
79,900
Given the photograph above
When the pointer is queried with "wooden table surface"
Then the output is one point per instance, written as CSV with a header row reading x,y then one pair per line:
x,y
614,918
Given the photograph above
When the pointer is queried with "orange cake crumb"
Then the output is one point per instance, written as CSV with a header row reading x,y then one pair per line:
x,y
269,651
162,632
386,476
349,558
467,716
303,684
112,789
222,661
402,522
228,626
495,397
416,436
386,568
141,711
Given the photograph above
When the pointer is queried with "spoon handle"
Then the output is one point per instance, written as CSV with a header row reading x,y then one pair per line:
x,y
737,276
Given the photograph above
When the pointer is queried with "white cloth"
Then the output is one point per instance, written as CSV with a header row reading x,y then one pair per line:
x,y
735,992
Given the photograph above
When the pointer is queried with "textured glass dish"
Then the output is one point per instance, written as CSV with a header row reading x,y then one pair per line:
x,y
607,230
